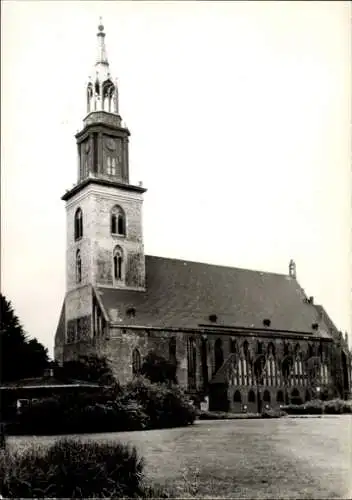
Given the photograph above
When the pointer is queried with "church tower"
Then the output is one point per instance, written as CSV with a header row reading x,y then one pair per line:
x,y
104,210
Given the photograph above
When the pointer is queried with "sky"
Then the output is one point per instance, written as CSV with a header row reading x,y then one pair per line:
x,y
240,118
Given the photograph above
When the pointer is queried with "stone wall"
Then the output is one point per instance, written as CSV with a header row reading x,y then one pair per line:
x,y
97,244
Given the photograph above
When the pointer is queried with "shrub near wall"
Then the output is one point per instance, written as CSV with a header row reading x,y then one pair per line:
x,y
165,405
139,405
318,407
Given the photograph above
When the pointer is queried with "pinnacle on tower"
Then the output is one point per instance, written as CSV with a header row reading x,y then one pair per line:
x,y
102,94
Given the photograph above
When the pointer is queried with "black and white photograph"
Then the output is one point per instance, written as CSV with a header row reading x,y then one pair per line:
x,y
176,249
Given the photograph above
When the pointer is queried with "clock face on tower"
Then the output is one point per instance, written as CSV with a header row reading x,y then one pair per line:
x,y
111,144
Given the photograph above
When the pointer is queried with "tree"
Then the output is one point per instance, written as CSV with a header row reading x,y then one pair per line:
x,y
90,368
158,369
20,357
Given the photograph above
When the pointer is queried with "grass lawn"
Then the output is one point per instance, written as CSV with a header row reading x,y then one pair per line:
x,y
275,458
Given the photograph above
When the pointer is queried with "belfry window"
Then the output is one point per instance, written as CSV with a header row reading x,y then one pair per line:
x,y
78,267
118,263
78,224
111,165
118,221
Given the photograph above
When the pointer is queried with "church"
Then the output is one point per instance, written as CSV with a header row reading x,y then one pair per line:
x,y
244,339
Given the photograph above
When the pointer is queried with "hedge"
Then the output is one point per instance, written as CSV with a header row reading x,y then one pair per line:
x,y
318,407
137,406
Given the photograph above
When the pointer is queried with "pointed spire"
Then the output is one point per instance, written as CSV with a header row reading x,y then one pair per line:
x,y
102,57
102,91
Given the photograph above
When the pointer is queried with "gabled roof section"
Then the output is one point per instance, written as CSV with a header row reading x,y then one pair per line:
x,y
222,375
184,294
330,326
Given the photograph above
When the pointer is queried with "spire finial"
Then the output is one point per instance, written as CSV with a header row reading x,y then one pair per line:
x,y
101,26
101,56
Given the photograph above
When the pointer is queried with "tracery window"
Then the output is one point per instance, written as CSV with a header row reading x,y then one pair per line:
x,y
118,221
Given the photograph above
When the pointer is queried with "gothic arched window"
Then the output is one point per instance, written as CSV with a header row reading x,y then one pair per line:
x,y
251,397
219,355
204,359
233,346
280,397
136,362
118,263
266,397
172,350
118,221
237,398
78,267
271,349
192,363
310,351
297,351
78,224
245,348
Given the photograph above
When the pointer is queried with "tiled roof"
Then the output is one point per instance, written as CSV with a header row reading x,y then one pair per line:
x,y
183,294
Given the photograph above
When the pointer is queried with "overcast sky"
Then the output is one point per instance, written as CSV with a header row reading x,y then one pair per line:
x,y
240,118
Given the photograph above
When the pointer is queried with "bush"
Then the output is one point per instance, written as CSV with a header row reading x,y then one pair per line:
x,y
271,413
130,416
213,415
158,369
139,405
314,407
337,406
165,406
71,469
318,407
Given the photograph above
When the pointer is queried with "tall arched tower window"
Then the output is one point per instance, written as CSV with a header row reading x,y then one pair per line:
x,y
136,362
118,264
78,267
118,221
78,224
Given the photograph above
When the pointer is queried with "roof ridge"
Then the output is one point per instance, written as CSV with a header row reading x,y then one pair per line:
x,y
217,265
